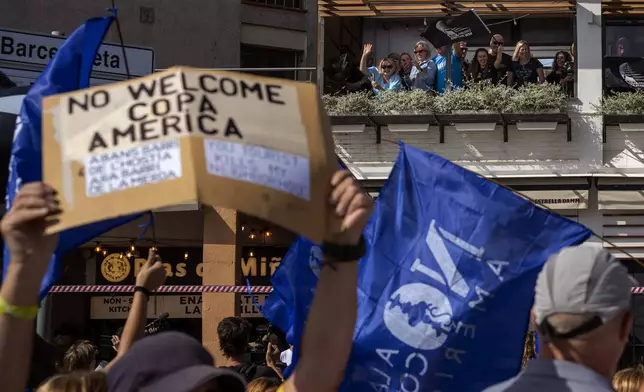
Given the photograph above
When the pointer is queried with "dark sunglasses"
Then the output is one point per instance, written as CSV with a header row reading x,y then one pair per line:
x,y
420,51
387,67
497,43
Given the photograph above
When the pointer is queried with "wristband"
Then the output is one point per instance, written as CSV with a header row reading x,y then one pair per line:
x,y
143,290
334,253
19,312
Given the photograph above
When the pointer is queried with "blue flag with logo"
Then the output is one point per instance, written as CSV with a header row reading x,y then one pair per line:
x,y
445,290
69,70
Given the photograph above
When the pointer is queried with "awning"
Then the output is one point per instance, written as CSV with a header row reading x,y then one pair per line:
x,y
620,193
556,193
622,7
429,8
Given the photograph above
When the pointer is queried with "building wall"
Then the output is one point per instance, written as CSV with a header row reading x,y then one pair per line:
x,y
200,33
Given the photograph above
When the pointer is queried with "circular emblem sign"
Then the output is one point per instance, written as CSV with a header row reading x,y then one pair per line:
x,y
115,268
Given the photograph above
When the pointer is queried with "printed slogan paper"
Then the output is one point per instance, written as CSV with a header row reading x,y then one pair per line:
x,y
254,144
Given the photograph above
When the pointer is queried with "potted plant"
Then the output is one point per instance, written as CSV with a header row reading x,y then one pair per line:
x,y
625,109
403,111
478,98
533,101
349,110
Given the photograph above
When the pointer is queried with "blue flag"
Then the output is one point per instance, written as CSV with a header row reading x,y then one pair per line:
x,y
445,290
69,70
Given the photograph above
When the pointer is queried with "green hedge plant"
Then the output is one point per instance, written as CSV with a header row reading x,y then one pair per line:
x,y
536,98
622,103
479,97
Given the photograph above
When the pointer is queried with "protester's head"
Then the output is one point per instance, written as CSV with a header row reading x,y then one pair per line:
x,y
560,60
421,50
80,356
495,42
521,51
263,384
479,62
76,382
170,362
582,307
629,380
387,67
406,62
460,49
234,334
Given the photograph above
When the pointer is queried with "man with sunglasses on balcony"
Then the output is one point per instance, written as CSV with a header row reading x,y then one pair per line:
x,y
501,61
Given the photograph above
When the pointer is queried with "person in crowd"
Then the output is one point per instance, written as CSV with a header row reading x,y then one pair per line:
x,y
76,382
583,315
170,361
423,73
402,74
234,335
525,68
263,384
383,78
562,72
481,69
441,67
406,65
623,46
80,356
501,61
572,52
460,48
629,380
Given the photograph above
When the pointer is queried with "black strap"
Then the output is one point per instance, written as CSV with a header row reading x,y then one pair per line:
x,y
142,290
549,333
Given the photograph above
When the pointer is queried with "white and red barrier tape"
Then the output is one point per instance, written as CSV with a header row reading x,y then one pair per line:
x,y
189,289
162,289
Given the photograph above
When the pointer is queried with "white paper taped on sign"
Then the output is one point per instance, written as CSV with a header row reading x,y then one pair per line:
x,y
279,170
133,167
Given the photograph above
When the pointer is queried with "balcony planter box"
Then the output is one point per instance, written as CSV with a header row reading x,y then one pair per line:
x,y
544,121
349,123
475,126
405,122
626,122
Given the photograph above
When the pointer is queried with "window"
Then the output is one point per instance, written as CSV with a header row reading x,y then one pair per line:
x,y
623,54
272,62
292,4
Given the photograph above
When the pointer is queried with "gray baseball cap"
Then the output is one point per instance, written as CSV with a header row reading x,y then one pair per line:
x,y
583,279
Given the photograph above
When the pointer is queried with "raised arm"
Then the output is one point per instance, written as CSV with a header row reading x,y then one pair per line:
x,y
366,51
23,229
151,276
328,336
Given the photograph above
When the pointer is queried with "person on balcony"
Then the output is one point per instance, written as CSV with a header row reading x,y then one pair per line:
x,y
525,68
383,78
562,72
400,70
406,65
481,69
501,61
423,73
441,67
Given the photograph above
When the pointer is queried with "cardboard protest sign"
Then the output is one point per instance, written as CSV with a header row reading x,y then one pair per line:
x,y
254,144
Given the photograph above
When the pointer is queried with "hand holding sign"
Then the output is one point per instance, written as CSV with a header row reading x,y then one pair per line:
x,y
351,204
258,145
23,226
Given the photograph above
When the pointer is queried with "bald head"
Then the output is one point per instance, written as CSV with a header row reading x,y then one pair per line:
x,y
495,42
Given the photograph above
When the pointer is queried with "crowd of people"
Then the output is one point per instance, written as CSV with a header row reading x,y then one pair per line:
x,y
404,71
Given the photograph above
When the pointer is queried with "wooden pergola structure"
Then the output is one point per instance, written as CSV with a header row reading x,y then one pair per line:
x,y
438,8
623,7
